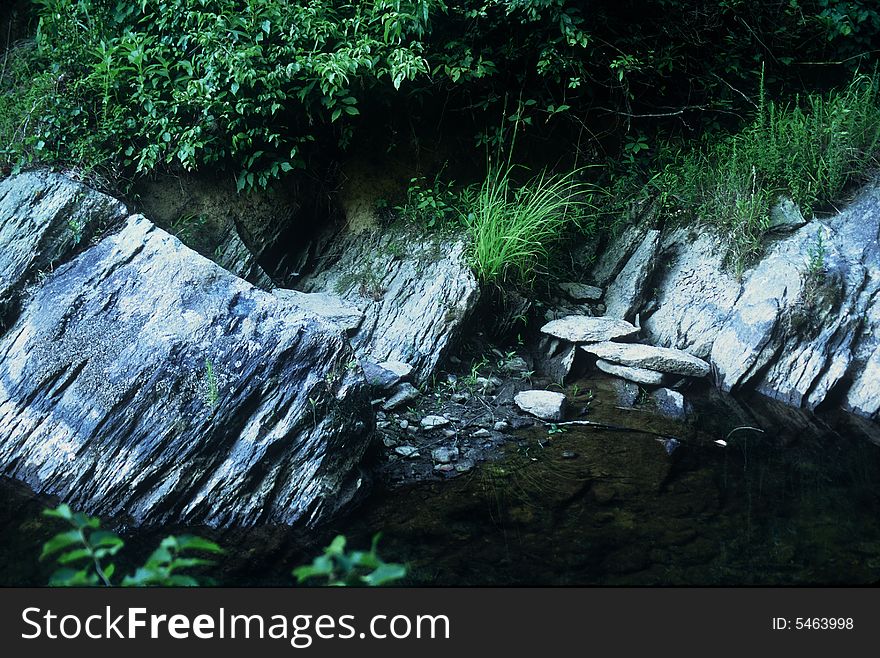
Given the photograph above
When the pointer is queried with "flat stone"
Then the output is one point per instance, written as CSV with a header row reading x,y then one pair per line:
x,y
580,292
402,394
669,403
410,452
431,422
379,377
586,329
638,375
662,359
546,405
399,368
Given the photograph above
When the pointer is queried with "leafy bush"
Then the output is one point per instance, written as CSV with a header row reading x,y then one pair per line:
x,y
340,568
85,548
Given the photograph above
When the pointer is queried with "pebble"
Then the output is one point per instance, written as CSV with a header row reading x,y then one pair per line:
x,y
464,466
407,451
444,455
481,433
569,454
500,426
444,468
432,422
403,424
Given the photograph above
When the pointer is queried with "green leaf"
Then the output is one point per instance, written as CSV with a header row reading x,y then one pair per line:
x,y
60,542
385,573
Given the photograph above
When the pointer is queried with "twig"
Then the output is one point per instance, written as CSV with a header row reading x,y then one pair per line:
x,y
748,100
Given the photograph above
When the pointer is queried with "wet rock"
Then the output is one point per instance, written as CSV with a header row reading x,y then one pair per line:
x,y
638,375
145,381
584,329
433,422
546,405
625,294
403,393
580,292
669,403
569,454
660,359
444,455
415,292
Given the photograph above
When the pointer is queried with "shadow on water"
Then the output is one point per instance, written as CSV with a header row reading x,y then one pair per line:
x,y
796,504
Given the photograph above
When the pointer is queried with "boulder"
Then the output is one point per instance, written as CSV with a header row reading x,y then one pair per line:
x,y
403,394
144,381
637,375
546,405
670,403
660,359
555,358
415,292
626,293
385,375
585,329
44,218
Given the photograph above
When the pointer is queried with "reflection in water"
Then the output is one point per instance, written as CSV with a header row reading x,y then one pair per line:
x,y
797,504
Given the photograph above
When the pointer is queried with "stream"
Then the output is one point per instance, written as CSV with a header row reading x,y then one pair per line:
x,y
796,504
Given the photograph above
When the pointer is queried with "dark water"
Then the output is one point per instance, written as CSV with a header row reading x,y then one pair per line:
x,y
797,504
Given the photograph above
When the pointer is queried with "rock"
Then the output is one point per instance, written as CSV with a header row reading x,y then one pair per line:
x,y
378,377
581,292
627,393
144,381
403,393
555,358
464,466
662,359
409,452
389,441
625,294
402,370
802,325
444,455
44,218
569,454
433,422
617,253
501,426
638,375
460,398
325,307
546,405
415,292
785,216
232,254
669,403
403,424
481,433
444,468
584,329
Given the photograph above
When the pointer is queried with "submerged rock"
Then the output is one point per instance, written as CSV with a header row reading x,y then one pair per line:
x,y
145,381
586,329
546,405
660,359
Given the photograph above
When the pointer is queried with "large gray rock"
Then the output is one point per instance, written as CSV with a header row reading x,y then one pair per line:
x,y
143,380
802,325
661,359
586,329
44,217
415,292
626,293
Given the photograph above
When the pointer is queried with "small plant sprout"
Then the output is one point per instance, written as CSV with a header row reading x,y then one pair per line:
x,y
212,389
338,567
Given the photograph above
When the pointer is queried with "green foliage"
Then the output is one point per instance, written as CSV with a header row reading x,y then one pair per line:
x,y
808,149
82,553
340,568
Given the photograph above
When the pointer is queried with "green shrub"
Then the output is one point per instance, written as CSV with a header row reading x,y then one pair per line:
x,y
82,553
338,567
